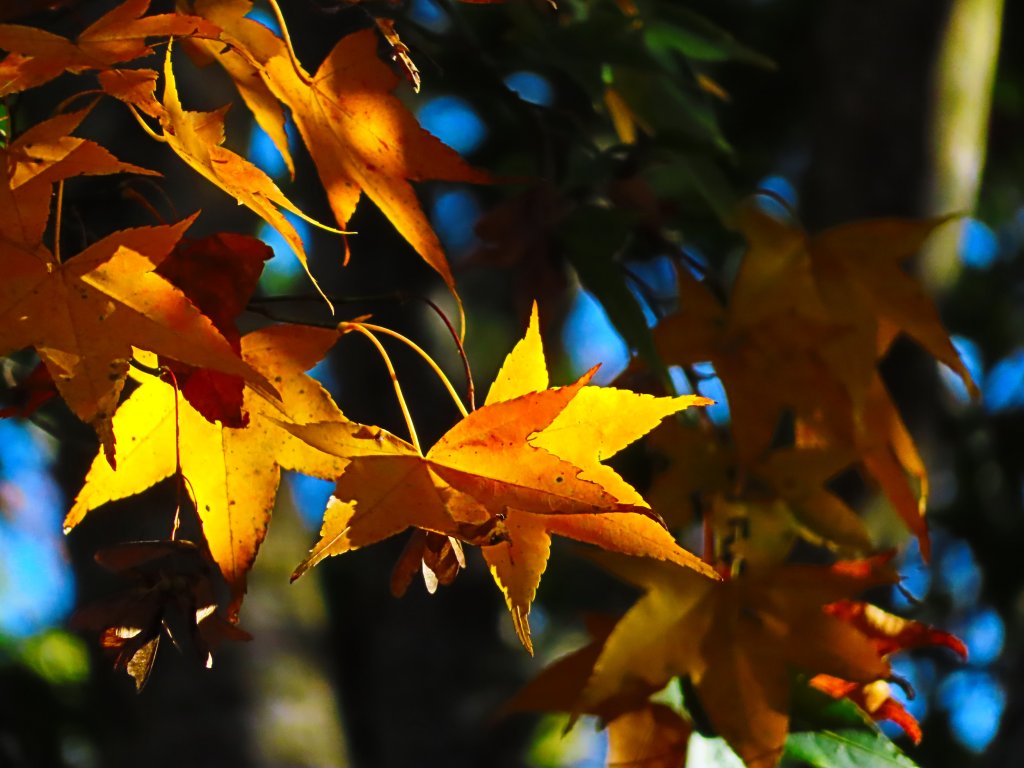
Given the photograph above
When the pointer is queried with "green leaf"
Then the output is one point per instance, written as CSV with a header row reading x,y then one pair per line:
x,y
835,733
665,108
697,38
846,748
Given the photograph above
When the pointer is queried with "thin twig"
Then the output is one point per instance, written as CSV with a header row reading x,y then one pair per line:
x,y
140,366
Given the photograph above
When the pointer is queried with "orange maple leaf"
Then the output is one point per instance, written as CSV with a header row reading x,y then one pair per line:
x,y
764,345
48,152
136,87
794,477
37,56
233,473
361,137
857,271
84,315
505,461
808,319
45,154
249,43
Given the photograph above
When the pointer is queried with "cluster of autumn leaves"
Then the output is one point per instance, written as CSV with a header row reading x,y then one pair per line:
x,y
796,343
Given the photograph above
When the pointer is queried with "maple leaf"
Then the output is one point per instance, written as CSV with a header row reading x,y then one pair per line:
x,y
764,346
885,448
83,317
801,336
360,136
850,278
37,56
136,87
234,473
588,430
43,155
504,460
857,271
788,484
471,475
875,699
652,736
46,152
738,641
196,137
239,59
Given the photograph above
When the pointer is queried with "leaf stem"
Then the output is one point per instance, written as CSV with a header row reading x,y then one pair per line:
x,y
397,296
419,351
394,378
470,388
165,374
145,126
57,219
129,192
288,43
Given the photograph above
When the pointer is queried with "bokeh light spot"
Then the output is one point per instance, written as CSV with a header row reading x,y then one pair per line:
x,y
454,122
979,247
454,213
975,702
1003,389
590,338
531,87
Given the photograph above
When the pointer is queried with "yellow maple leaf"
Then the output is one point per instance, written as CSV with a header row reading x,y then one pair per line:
x,y
592,427
233,473
240,58
196,137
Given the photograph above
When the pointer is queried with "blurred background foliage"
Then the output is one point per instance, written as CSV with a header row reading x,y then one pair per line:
x,y
624,133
